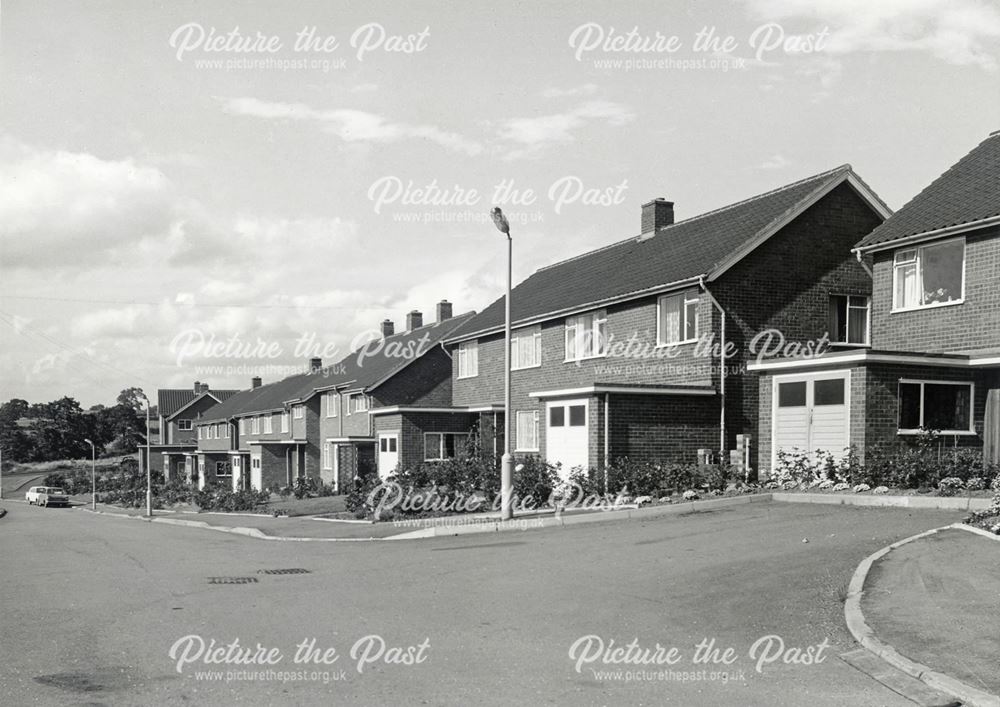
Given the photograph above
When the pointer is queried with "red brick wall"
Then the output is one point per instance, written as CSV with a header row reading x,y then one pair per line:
x,y
975,324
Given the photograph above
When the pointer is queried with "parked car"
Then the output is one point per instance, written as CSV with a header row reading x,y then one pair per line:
x,y
46,496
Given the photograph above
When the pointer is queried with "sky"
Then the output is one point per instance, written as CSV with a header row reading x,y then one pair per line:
x,y
212,190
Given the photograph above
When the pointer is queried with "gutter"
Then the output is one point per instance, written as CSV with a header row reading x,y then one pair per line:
x,y
928,235
722,369
861,260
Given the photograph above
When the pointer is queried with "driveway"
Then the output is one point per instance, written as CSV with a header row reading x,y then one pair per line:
x,y
93,605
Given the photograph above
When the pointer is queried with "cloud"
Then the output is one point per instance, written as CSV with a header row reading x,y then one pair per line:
x,y
350,125
955,31
587,89
59,208
537,134
775,162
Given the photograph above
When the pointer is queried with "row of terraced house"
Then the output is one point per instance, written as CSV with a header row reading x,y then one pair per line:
x,y
806,317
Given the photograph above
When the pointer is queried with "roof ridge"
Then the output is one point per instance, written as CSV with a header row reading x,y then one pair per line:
x,y
742,202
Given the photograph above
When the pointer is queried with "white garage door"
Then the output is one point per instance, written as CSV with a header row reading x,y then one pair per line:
x,y
811,413
566,425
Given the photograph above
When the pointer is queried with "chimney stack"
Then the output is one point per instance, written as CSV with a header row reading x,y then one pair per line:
x,y
656,214
255,382
197,387
443,310
414,320
388,328
315,364
204,387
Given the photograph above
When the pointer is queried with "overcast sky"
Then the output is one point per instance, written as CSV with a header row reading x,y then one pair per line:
x,y
160,191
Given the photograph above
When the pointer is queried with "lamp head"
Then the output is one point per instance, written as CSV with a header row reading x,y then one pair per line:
x,y
500,221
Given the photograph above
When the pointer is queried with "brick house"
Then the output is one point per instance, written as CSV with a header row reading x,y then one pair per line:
x,y
615,352
934,358
321,424
177,411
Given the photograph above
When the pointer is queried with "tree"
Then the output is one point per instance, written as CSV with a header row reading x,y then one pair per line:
x,y
16,441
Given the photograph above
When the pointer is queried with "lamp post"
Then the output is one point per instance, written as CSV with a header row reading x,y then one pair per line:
x,y
507,461
149,474
93,475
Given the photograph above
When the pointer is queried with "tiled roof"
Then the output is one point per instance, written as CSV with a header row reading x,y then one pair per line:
x,y
353,371
170,400
682,251
968,192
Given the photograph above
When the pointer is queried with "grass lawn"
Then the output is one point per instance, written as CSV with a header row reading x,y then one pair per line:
x,y
292,506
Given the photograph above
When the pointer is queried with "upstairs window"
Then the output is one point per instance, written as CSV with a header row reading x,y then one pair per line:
x,y
243,426
586,336
255,425
284,422
298,411
359,403
849,319
331,403
929,276
267,424
526,348
184,425
467,357
677,318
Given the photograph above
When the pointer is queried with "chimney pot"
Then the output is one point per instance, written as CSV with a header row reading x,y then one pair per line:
x,y
656,214
388,328
443,310
315,364
197,387
204,387
414,320
255,382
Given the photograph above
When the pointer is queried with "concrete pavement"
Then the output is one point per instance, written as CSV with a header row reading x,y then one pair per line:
x,y
92,608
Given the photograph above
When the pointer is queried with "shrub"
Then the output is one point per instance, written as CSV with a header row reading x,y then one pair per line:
x,y
950,486
220,498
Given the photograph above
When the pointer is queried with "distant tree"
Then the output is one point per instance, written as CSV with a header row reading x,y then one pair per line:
x,y
17,442
60,428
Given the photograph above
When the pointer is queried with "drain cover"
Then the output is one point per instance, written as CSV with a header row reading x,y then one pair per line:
x,y
293,570
232,580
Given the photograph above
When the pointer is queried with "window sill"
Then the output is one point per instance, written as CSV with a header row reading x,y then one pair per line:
x,y
462,378
919,308
940,433
846,344
664,345
525,368
584,358
525,451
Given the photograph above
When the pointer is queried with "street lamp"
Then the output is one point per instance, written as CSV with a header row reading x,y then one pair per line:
x,y
93,475
149,475
507,461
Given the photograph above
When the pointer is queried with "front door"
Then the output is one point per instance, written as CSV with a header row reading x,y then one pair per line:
x,y
566,434
811,414
388,453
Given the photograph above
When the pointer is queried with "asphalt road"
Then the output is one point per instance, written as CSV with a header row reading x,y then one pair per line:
x,y
92,606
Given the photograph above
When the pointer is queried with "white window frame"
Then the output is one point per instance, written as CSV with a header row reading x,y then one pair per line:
x,y
441,445
199,431
184,425
284,422
868,320
529,337
686,297
268,424
518,444
358,403
298,412
328,455
917,262
922,383
225,428
243,426
331,403
577,326
223,475
255,425
467,359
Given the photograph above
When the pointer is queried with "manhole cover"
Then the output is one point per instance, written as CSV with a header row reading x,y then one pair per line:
x,y
232,580
293,570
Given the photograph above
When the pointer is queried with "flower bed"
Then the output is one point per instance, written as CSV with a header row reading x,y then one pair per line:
x,y
988,520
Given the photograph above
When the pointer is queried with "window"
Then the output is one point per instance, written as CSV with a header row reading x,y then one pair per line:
x,y
223,469
267,424
930,275
931,405
225,429
442,445
184,425
849,319
328,455
284,422
243,426
255,463
387,444
557,417
577,415
201,465
331,404
298,411
828,391
467,356
586,336
217,431
526,348
199,432
677,318
527,431
255,425
359,402
792,395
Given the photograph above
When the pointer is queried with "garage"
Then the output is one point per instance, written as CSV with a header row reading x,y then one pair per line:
x,y
811,412
566,434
